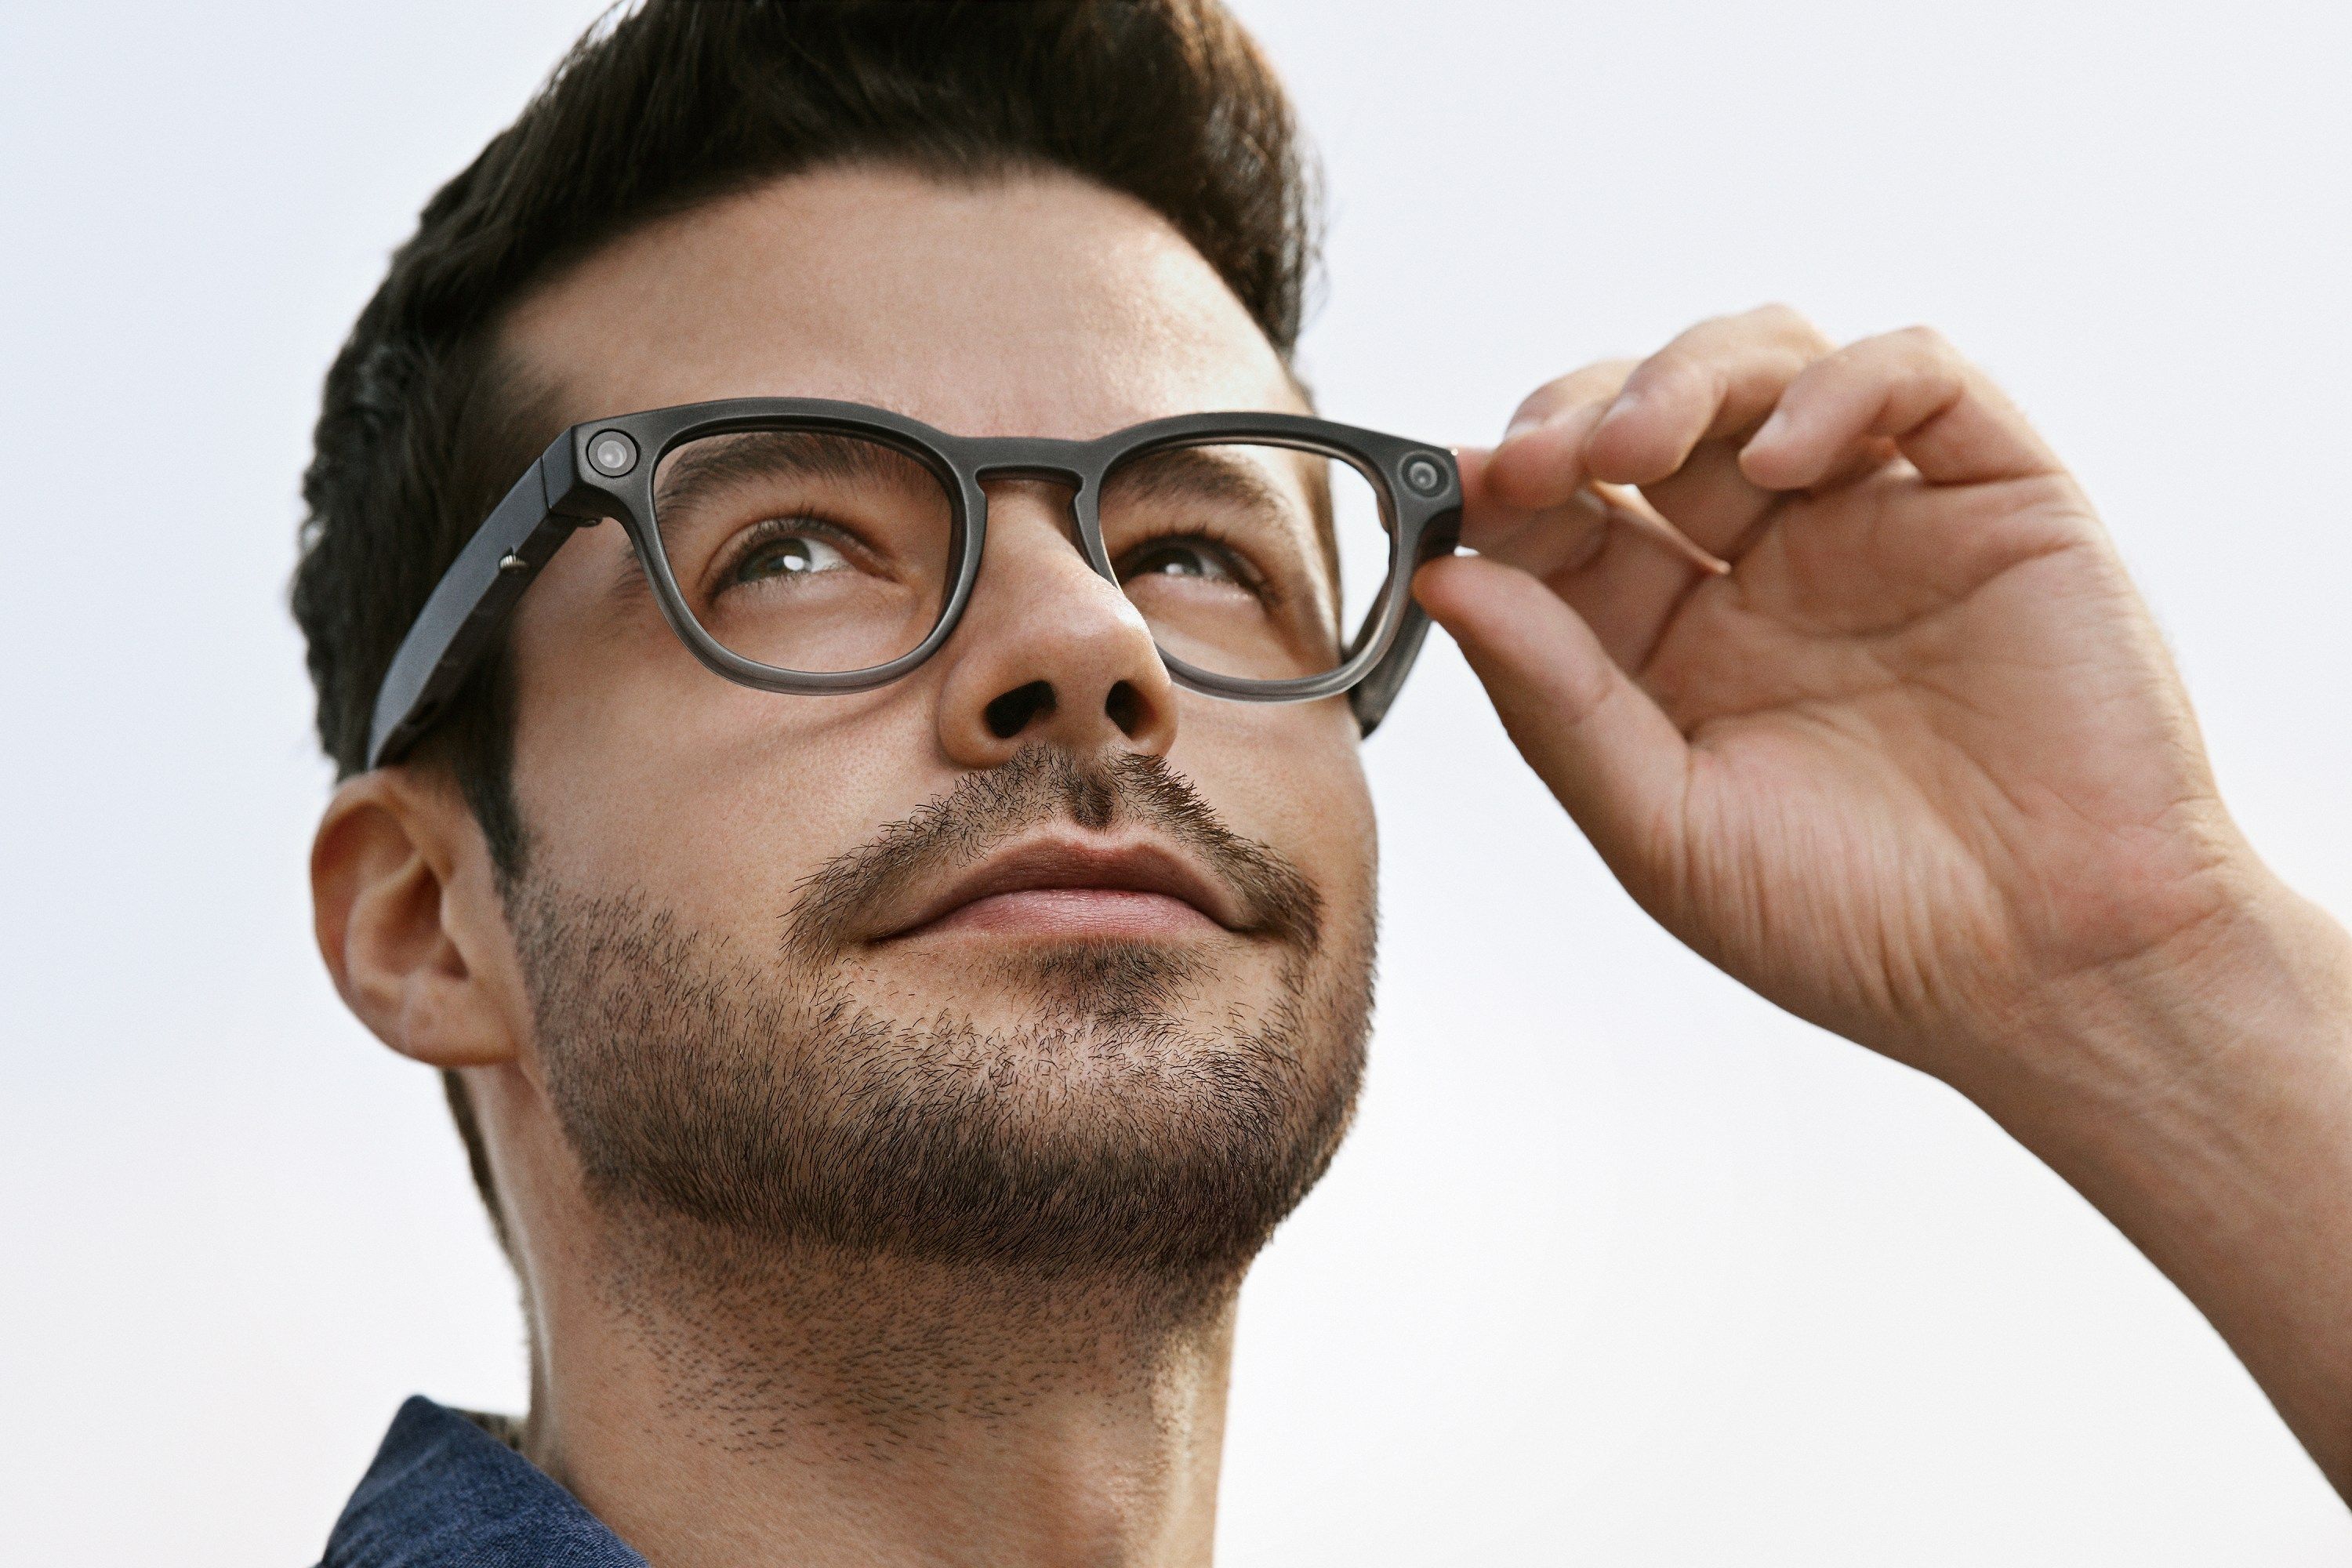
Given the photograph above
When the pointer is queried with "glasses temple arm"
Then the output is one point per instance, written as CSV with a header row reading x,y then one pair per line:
x,y
460,622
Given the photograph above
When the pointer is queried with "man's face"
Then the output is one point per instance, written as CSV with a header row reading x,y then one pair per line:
x,y
1029,954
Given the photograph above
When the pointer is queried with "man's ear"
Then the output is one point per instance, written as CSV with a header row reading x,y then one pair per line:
x,y
409,919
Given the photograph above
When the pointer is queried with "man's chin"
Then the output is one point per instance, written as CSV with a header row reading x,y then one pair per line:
x,y
1107,1108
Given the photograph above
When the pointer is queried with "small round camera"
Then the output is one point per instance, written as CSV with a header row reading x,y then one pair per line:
x,y
611,454
1425,476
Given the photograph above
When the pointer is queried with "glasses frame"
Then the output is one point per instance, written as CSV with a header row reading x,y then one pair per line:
x,y
1419,487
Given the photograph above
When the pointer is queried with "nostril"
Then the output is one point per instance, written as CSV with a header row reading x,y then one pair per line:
x,y
1011,714
1125,708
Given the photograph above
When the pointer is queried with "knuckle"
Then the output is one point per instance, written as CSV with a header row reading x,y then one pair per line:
x,y
1769,329
1598,380
1786,322
1541,402
1673,378
1535,404
1708,333
1925,342
1666,365
1582,382
1596,383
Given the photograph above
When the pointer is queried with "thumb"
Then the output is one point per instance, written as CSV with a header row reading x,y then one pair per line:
x,y
1609,754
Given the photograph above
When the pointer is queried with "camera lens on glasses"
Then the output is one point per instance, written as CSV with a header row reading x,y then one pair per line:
x,y
612,453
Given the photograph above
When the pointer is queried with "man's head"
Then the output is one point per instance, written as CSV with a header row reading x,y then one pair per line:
x,y
781,967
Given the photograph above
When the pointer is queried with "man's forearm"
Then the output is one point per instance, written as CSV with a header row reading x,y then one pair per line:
x,y
2204,1102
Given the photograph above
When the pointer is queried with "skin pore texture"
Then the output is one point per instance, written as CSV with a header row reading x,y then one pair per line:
x,y
869,1212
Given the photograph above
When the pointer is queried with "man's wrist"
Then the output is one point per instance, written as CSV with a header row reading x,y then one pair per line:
x,y
2177,1032
2201,1099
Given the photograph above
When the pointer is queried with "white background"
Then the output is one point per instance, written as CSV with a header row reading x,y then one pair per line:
x,y
1622,1267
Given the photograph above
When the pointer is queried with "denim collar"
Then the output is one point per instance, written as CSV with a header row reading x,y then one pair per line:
x,y
444,1493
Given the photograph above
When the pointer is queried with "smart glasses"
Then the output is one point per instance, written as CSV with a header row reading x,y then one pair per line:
x,y
805,546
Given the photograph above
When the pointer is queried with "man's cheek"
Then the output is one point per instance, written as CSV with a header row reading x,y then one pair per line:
x,y
718,859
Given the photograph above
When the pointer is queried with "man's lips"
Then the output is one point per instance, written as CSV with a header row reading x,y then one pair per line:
x,y
1065,886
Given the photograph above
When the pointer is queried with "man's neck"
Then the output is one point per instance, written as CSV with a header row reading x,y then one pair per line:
x,y
822,1409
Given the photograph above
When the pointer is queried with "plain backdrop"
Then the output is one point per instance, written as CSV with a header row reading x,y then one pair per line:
x,y
1621,1266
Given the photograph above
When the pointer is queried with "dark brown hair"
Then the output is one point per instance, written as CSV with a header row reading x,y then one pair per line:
x,y
677,102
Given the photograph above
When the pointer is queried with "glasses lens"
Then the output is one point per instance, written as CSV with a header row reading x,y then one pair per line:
x,y
1255,561
806,550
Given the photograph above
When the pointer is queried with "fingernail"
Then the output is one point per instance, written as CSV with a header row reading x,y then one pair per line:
x,y
1521,426
1772,429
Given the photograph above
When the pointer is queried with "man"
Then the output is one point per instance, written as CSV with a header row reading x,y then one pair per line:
x,y
892,966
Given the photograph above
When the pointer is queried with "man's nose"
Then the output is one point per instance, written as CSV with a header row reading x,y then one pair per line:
x,y
1048,650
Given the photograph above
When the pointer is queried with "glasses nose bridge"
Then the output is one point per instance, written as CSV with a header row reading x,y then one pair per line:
x,y
1056,464
1022,461
1038,457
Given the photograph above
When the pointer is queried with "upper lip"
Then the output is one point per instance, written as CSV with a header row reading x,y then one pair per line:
x,y
1061,861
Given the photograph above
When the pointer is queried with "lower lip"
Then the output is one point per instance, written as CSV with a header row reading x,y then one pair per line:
x,y
1076,913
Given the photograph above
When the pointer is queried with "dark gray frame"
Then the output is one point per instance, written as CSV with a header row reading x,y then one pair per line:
x,y
1419,487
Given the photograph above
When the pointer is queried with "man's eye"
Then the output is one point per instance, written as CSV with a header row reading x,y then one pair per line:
x,y
1193,558
789,554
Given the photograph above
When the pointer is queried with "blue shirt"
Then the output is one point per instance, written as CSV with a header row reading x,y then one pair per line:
x,y
444,1493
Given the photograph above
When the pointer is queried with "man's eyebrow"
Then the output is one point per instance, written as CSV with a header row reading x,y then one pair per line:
x,y
1214,473
699,467
1202,472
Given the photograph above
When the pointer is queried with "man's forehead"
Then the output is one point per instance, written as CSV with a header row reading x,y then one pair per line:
x,y
1030,305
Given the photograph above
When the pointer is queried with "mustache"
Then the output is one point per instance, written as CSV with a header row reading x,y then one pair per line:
x,y
1040,784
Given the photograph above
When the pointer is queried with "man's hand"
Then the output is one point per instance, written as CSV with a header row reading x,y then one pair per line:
x,y
1917,757
1919,770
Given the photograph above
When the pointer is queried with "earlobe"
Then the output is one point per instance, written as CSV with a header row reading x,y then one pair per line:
x,y
407,917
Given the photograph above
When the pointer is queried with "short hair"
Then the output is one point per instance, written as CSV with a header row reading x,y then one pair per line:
x,y
674,103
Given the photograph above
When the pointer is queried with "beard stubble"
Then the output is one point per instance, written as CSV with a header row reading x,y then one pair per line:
x,y
743,1103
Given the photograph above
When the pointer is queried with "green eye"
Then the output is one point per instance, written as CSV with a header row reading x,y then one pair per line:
x,y
1192,558
790,555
